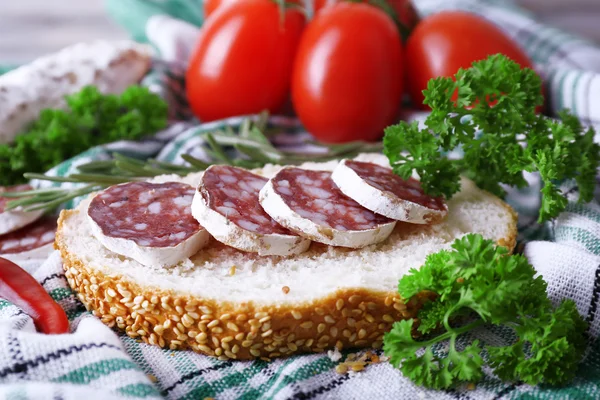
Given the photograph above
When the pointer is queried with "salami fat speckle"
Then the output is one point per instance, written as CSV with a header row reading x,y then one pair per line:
x,y
29,238
149,222
227,204
378,189
309,203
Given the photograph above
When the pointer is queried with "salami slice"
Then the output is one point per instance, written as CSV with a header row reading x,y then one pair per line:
x,y
28,241
226,204
310,204
151,223
15,219
378,189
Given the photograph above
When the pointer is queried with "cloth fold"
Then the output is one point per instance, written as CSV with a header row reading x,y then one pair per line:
x,y
94,362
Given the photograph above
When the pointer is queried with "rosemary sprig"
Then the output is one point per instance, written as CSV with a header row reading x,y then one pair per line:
x,y
250,141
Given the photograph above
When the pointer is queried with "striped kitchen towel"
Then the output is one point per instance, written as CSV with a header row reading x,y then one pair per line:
x,y
96,363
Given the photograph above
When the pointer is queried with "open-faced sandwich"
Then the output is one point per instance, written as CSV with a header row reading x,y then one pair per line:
x,y
243,264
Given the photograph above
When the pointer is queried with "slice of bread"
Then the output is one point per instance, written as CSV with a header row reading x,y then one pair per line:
x,y
231,304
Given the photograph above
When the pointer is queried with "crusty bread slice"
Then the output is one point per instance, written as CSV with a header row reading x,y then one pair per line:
x,y
232,304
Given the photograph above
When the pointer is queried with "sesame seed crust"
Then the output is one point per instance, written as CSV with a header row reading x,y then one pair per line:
x,y
349,318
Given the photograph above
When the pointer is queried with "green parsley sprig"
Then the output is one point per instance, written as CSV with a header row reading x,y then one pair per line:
x,y
91,119
481,279
493,121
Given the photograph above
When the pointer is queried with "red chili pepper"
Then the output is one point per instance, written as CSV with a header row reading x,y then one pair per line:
x,y
21,289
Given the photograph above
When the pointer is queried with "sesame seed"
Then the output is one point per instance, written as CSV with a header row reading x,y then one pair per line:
x,y
159,329
251,336
306,325
232,271
215,341
285,289
360,342
341,369
382,326
264,319
233,326
296,314
358,367
357,311
319,311
388,301
309,342
167,324
273,355
201,337
193,314
292,347
354,299
256,346
202,326
246,343
138,299
260,315
299,342
225,317
227,339
345,312
369,318
181,327
362,333
284,350
175,318
166,306
290,338
254,322
217,329
255,352
154,300
178,301
333,331
266,327
240,336
267,333
351,322
206,317
213,323
191,307
205,310
179,310
321,327
329,319
241,317
235,349
141,332
324,338
223,358
339,304
339,345
400,306
218,351
406,314
111,292
346,333
388,318
352,337
187,320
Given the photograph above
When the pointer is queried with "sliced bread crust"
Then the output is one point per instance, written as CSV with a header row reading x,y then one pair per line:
x,y
232,305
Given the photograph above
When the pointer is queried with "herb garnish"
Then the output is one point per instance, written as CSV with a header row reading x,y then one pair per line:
x,y
493,121
91,119
482,279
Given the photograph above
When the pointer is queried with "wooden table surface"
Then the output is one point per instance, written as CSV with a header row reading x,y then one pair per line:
x,y
30,28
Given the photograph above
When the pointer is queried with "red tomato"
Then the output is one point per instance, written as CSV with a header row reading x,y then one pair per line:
x,y
243,60
405,11
347,79
211,5
443,43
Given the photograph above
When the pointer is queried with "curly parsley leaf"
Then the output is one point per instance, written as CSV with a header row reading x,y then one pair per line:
x,y
488,112
91,119
479,278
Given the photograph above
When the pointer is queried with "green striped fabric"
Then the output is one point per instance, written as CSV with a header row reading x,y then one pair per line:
x,y
96,363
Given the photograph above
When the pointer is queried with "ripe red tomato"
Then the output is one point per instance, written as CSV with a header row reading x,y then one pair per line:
x,y
211,5
243,60
347,79
443,43
405,11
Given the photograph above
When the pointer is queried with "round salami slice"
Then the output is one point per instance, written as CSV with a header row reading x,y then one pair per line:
x,y
15,219
226,204
151,223
33,241
310,204
378,189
